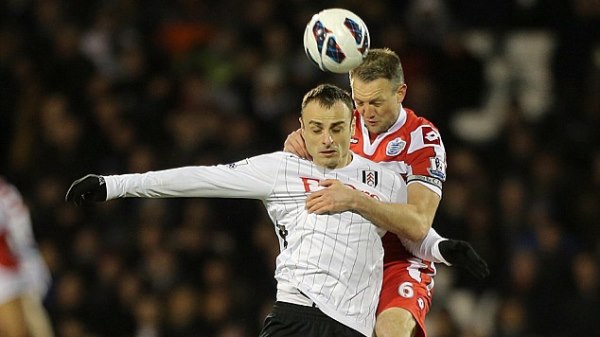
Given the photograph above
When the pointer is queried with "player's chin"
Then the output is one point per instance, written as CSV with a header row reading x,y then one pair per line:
x,y
329,161
374,127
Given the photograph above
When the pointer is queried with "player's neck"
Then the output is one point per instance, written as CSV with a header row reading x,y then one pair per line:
x,y
347,160
372,136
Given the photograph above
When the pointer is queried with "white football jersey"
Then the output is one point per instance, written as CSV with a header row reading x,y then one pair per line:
x,y
336,260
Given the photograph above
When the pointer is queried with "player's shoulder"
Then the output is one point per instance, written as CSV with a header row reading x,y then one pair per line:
x,y
421,132
7,190
414,121
11,200
275,159
282,155
277,155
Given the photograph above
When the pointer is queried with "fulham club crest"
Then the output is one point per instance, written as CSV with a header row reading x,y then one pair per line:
x,y
370,178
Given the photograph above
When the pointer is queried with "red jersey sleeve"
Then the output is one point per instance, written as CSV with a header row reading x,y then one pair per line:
x,y
426,156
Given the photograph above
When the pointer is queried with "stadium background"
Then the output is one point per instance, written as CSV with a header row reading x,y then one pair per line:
x,y
129,86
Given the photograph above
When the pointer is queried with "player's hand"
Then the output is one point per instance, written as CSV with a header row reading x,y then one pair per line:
x,y
461,253
87,190
334,198
294,143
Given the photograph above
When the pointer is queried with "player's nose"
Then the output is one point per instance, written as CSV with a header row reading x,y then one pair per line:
x,y
327,139
366,111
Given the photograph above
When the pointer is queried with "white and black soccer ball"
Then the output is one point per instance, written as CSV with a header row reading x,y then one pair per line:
x,y
336,40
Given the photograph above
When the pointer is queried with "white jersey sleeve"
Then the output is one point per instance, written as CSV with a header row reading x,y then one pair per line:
x,y
251,178
428,248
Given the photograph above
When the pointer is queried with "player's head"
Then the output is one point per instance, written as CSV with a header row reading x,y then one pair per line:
x,y
378,89
327,125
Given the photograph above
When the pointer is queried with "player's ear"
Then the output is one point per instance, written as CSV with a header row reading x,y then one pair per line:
x,y
401,92
301,124
352,124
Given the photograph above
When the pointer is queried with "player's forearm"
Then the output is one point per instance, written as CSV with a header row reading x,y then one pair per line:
x,y
157,184
404,220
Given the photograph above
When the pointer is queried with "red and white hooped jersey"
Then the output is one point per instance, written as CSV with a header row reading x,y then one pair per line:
x,y
412,147
22,268
14,227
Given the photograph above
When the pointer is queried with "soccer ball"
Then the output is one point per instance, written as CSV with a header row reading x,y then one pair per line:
x,y
336,40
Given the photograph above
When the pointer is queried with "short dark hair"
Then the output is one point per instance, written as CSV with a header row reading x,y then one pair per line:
x,y
327,95
380,63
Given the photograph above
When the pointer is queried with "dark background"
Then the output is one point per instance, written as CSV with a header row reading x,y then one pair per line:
x,y
129,86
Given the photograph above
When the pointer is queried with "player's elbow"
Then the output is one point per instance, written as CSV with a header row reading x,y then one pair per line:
x,y
419,230
413,232
418,233
413,228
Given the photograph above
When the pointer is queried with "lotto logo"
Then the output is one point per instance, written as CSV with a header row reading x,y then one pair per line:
x,y
430,136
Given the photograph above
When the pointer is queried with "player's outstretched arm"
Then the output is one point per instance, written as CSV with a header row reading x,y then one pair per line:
x,y
294,143
461,253
87,190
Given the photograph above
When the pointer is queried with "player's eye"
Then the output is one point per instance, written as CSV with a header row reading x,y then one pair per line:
x,y
336,130
316,130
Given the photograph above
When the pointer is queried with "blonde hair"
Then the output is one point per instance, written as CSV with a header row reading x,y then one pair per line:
x,y
380,63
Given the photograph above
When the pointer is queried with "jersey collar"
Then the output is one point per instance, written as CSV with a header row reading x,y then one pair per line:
x,y
399,122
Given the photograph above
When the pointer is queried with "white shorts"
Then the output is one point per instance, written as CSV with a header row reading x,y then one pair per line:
x,y
11,284
31,276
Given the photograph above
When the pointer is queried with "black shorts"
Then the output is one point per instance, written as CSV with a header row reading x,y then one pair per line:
x,y
292,320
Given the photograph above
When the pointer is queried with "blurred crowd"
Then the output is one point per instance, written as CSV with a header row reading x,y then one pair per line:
x,y
122,86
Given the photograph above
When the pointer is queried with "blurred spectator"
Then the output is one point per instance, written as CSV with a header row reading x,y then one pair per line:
x,y
183,313
581,305
24,276
148,317
512,319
